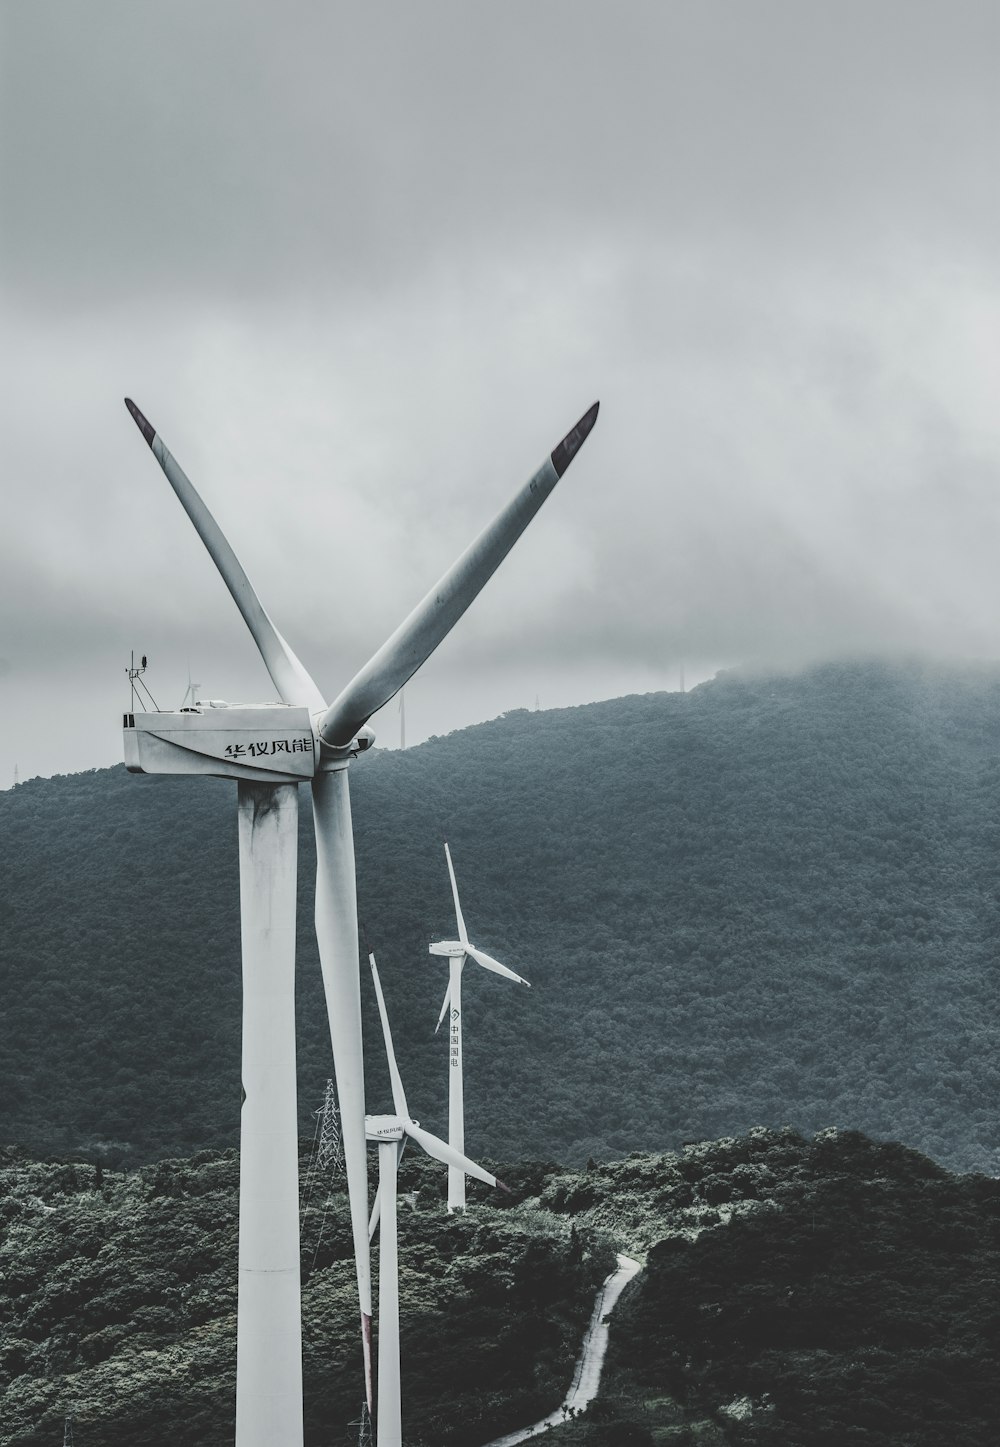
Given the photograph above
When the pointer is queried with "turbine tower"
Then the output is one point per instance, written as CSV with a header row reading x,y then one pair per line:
x,y
269,749
457,952
390,1133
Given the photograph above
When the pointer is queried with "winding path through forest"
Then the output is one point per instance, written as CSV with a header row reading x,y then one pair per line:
x,y
587,1376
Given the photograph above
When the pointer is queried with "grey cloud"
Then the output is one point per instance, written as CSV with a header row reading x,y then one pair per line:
x,y
362,266
235,150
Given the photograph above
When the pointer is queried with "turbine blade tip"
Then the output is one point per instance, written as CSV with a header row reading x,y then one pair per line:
x,y
563,455
146,428
504,1186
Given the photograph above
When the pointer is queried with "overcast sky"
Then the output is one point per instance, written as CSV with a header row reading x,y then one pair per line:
x,y
363,265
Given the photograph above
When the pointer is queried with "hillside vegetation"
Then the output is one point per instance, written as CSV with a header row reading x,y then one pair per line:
x,y
823,1293
118,1297
768,901
830,1292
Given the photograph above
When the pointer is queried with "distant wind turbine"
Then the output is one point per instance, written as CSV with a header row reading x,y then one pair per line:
x,y
390,1133
457,952
269,749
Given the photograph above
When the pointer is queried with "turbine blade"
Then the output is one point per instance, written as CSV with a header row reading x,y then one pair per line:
x,y
287,673
459,917
433,619
337,936
444,1008
376,1214
446,1154
489,963
398,1097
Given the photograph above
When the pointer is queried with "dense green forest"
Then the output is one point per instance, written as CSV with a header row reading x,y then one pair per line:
x,y
829,1292
118,1297
825,1293
768,901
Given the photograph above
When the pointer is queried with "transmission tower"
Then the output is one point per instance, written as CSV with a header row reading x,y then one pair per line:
x,y
330,1153
365,1438
68,1432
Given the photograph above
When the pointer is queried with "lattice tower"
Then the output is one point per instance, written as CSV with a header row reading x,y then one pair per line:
x,y
330,1153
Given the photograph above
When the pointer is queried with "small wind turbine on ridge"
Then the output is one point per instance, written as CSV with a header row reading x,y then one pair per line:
x,y
269,749
457,952
390,1133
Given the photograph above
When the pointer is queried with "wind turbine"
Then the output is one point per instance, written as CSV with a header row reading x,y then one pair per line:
x,y
457,952
391,1133
269,749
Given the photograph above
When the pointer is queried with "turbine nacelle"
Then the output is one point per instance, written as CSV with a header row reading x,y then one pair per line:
x,y
273,743
384,1128
450,949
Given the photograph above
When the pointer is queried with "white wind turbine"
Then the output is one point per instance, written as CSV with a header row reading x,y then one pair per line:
x,y
269,749
457,952
391,1133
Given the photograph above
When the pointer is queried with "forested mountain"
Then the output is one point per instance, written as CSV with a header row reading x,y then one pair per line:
x,y
768,901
